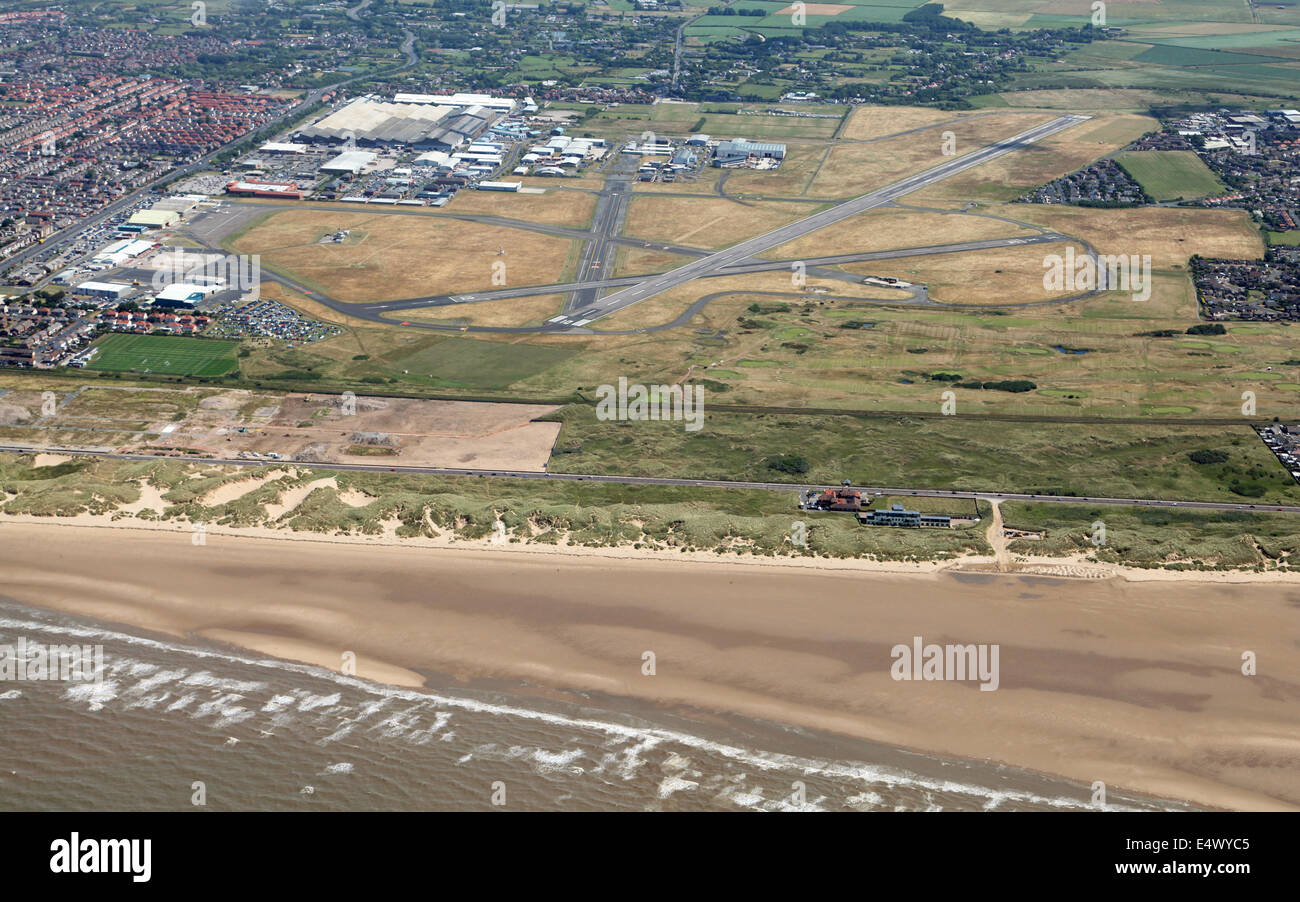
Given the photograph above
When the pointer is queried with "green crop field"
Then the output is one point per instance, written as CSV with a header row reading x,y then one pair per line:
x,y
167,354
1171,174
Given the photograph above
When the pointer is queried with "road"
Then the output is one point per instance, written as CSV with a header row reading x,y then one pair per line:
x,y
758,245
685,483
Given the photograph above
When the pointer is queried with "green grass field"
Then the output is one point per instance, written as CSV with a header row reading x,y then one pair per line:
x,y
1171,174
167,354
1289,239
1123,461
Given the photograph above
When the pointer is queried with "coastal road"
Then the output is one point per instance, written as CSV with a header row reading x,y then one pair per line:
x,y
744,250
665,481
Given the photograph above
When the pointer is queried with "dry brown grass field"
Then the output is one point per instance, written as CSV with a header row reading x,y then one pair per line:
x,y
1085,100
638,261
853,169
1169,234
1010,176
889,229
1005,275
707,222
507,312
572,209
395,257
876,121
667,306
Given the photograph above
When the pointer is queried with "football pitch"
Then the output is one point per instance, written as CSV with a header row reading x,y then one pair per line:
x,y
168,354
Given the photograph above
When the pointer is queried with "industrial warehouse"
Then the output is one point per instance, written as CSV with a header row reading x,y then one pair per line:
x,y
422,125
412,150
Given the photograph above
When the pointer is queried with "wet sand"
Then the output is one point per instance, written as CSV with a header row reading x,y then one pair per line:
x,y
1138,685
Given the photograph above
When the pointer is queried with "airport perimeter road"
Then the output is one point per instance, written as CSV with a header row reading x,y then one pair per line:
x,y
737,253
655,480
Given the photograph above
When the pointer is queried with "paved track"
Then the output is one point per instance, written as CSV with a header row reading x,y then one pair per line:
x,y
375,312
606,224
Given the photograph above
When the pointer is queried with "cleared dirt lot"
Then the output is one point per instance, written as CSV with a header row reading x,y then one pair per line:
x,y
319,428
393,431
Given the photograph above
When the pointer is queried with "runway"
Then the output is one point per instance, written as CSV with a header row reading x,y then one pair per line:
x,y
375,311
744,250
585,305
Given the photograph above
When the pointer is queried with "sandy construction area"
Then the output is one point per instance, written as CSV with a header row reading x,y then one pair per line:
x,y
316,428
395,431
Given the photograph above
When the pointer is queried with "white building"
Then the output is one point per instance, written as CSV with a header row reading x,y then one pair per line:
x,y
352,161
501,104
186,293
119,252
282,147
111,290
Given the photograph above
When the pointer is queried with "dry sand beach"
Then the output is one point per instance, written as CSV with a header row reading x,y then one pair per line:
x,y
1138,685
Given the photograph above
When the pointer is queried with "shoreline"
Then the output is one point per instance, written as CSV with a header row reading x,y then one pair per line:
x,y
818,664
1067,567
769,744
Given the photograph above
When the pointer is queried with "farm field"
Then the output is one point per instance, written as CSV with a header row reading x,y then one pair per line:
x,y
173,355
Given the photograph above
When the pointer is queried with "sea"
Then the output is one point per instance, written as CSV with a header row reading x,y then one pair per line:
x,y
178,725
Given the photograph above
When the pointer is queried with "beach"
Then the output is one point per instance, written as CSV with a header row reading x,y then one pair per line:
x,y
1138,685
